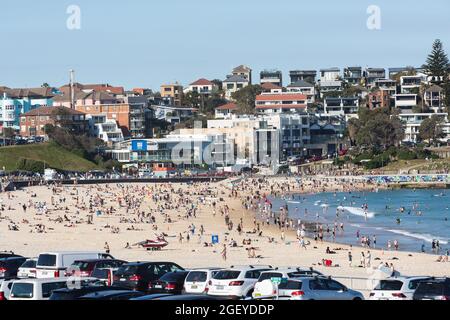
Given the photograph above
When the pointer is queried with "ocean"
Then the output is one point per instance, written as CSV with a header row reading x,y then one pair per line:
x,y
412,217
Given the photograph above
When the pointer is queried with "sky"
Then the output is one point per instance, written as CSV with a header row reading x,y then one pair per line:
x,y
144,43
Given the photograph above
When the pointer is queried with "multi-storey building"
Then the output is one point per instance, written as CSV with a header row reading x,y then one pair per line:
x,y
173,92
281,103
272,76
303,75
353,75
32,123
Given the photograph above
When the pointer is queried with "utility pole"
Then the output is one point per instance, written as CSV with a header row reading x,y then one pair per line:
x,y
72,92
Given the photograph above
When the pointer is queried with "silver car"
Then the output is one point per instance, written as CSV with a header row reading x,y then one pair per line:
x,y
317,288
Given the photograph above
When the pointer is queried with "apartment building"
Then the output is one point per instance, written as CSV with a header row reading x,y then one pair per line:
x,y
281,103
174,92
274,77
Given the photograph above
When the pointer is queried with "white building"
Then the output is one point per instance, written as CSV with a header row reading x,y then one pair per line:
x,y
405,102
105,129
412,122
281,103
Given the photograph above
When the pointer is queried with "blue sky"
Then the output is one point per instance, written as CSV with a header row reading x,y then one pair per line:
x,y
143,43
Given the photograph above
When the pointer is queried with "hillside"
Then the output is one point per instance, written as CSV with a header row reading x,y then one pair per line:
x,y
53,155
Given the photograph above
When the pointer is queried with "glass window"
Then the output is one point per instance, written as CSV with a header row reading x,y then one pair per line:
x,y
290,285
227,275
22,290
47,260
334,285
389,285
197,276
47,288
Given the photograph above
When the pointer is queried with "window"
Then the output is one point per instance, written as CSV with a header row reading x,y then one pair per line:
x,y
254,274
227,275
269,275
290,285
196,276
389,285
334,285
318,284
22,290
47,288
47,260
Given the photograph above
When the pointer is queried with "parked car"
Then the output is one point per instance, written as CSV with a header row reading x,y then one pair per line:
x,y
236,282
171,282
27,269
10,266
138,275
197,281
86,268
433,289
319,288
54,264
36,289
112,295
5,288
396,288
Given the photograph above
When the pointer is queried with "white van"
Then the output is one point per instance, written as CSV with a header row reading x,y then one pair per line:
x,y
53,264
36,289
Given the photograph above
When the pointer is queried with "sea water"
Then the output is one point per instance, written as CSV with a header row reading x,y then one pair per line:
x,y
412,217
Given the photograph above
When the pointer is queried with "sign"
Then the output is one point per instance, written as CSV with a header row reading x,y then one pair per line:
x,y
139,145
215,239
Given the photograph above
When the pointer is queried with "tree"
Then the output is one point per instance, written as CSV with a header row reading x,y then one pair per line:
x,y
376,129
9,133
431,129
246,97
45,85
437,62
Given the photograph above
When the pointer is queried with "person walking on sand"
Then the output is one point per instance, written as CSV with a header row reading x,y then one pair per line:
x,y
368,259
106,247
224,252
363,260
350,258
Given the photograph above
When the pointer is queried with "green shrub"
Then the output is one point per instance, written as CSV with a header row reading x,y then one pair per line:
x,y
30,165
406,155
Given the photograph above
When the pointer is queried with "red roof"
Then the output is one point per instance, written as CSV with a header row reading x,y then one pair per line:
x,y
281,97
270,86
228,106
202,82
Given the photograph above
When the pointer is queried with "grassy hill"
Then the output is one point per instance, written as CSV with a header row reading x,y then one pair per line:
x,y
53,155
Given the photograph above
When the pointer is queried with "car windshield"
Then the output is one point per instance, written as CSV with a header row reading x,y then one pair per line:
x,y
196,276
22,290
29,264
127,270
47,260
389,285
227,275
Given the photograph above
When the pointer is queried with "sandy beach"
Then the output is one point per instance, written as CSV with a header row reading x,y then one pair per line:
x,y
51,218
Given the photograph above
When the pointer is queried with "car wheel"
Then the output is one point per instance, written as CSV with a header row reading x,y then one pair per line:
x,y
357,299
249,294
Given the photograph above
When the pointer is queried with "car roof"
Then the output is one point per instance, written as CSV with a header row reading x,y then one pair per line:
x,y
407,278
11,259
97,260
206,269
152,296
43,280
71,252
106,293
246,268
147,262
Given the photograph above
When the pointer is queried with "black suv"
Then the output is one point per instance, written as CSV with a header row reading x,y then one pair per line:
x,y
433,289
138,275
9,267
